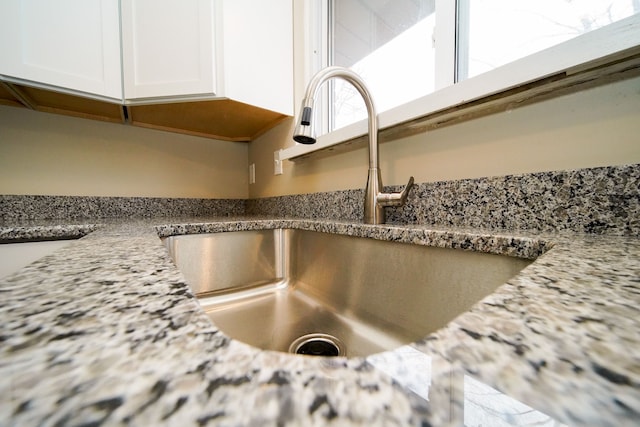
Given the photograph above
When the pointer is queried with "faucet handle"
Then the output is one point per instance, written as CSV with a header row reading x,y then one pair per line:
x,y
395,199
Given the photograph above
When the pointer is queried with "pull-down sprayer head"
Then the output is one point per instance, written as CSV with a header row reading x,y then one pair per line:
x,y
304,131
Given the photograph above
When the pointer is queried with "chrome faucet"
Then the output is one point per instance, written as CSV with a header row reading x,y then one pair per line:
x,y
375,200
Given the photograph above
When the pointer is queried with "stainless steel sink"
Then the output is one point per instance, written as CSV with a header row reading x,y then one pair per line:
x,y
328,294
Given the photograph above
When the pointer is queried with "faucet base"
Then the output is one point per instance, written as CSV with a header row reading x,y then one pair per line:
x,y
373,212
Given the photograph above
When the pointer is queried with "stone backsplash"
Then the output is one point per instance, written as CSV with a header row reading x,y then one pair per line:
x,y
603,200
595,200
80,207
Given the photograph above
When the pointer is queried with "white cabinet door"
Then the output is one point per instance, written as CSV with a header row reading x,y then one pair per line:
x,y
258,53
168,48
72,44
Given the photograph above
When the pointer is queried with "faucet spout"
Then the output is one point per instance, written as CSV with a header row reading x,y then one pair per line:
x,y
375,199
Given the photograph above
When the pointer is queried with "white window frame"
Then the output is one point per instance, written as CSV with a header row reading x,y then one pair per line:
x,y
600,47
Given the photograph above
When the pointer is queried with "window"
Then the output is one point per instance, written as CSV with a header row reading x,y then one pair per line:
x,y
492,33
392,43
425,61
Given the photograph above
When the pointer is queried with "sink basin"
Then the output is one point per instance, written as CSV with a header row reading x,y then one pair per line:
x,y
315,293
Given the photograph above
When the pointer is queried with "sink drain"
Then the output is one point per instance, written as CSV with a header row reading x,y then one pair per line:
x,y
317,345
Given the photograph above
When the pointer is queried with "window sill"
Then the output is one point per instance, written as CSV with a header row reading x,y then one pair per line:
x,y
598,57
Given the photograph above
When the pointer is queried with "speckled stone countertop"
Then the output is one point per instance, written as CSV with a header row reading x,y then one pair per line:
x,y
106,332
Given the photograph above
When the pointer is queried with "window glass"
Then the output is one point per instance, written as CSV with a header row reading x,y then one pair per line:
x,y
389,43
495,32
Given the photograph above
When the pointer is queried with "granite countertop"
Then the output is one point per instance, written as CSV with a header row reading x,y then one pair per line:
x,y
105,332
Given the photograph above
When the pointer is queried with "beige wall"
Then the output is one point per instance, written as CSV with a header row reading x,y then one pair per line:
x,y
49,154
597,127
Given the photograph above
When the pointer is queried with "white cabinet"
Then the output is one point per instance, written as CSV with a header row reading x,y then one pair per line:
x,y
257,53
168,48
205,49
235,56
69,44
14,256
